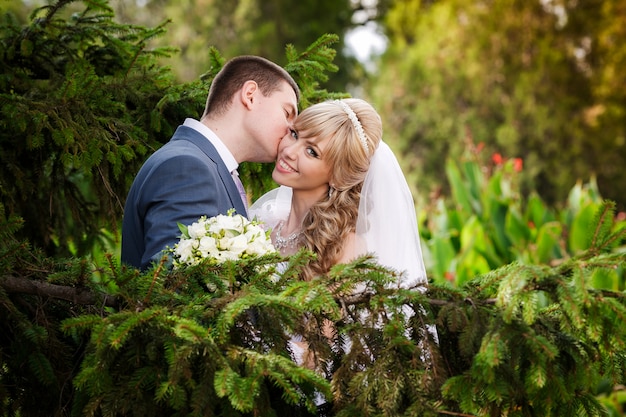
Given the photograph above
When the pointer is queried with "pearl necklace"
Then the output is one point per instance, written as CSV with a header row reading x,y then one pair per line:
x,y
284,242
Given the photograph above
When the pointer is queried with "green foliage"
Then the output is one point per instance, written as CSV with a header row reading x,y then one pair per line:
x,y
76,95
521,339
309,69
220,334
35,356
488,224
528,78
259,27
550,320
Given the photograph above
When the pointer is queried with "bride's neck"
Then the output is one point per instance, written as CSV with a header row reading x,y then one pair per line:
x,y
301,203
296,216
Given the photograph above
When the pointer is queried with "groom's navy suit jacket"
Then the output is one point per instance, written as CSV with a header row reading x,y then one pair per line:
x,y
182,181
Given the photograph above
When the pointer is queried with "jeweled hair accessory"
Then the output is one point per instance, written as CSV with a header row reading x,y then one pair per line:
x,y
355,122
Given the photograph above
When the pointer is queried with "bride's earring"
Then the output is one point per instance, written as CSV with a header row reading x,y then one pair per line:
x,y
330,191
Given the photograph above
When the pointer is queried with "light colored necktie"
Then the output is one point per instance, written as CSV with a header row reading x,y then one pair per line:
x,y
242,191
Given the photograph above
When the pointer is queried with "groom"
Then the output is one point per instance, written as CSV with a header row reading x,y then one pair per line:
x,y
251,105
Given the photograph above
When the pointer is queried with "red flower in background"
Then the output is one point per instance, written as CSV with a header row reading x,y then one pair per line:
x,y
450,276
499,160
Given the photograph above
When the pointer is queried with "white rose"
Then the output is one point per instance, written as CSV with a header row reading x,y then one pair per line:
x,y
229,255
238,244
224,255
251,235
184,250
223,237
215,228
253,229
255,236
207,246
196,230
231,225
259,246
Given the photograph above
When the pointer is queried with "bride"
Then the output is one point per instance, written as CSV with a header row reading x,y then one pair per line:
x,y
342,193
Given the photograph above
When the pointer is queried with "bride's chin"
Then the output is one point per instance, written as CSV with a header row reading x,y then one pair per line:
x,y
278,177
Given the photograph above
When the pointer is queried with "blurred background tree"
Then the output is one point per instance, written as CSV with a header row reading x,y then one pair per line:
x,y
540,80
246,27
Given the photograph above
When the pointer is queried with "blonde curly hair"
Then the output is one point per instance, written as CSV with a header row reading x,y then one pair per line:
x,y
329,222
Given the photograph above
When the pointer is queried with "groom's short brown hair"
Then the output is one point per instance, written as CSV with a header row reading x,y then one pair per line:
x,y
236,72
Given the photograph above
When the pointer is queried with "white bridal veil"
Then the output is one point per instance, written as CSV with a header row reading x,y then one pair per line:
x,y
386,221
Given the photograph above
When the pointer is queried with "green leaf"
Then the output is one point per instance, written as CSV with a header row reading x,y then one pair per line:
x,y
460,191
605,279
547,245
183,230
517,229
443,255
581,228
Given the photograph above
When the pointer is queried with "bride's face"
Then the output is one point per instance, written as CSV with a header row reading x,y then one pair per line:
x,y
301,165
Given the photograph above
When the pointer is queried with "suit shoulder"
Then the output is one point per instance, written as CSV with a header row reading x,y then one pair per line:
x,y
180,150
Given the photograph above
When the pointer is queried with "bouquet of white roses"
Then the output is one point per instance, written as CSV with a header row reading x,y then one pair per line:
x,y
221,238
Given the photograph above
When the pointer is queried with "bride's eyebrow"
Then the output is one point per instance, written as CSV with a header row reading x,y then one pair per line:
x,y
314,144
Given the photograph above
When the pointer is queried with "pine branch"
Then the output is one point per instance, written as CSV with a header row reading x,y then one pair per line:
x,y
82,296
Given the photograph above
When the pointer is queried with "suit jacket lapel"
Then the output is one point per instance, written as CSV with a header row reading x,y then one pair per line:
x,y
193,136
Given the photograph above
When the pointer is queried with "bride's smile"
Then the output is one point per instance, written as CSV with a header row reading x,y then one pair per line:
x,y
285,166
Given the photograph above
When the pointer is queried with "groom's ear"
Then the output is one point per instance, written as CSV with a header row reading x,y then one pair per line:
x,y
247,93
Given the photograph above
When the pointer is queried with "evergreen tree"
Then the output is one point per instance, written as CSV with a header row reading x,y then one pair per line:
x,y
81,107
213,340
